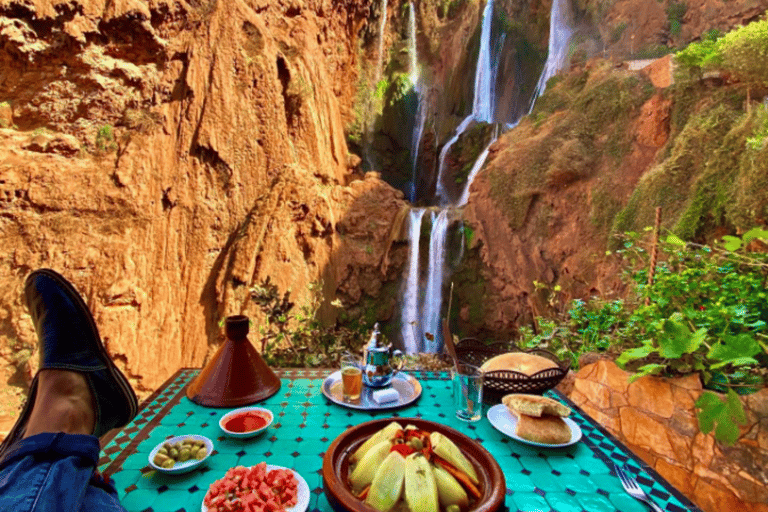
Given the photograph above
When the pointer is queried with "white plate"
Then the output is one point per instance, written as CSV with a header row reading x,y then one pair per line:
x,y
506,423
246,435
181,467
302,492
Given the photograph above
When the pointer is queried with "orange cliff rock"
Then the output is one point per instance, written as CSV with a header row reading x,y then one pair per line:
x,y
211,154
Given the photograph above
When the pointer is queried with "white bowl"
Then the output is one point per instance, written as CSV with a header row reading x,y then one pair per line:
x,y
182,467
246,435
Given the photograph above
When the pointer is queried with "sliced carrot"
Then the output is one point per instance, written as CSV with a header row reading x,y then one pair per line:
x,y
459,475
364,493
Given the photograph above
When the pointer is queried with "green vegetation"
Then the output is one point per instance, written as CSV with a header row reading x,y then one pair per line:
x,y
105,139
449,8
587,116
742,53
291,339
675,12
705,312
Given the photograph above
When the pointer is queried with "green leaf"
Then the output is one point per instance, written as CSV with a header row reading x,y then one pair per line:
x,y
733,347
731,243
735,409
753,234
710,407
724,416
727,432
635,353
675,240
648,369
678,339
739,361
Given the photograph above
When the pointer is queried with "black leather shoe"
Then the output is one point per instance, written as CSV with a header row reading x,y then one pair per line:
x,y
69,340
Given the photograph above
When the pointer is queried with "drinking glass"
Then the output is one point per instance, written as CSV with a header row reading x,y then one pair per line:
x,y
351,377
467,392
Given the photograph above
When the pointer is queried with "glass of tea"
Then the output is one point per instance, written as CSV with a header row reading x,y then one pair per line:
x,y
351,377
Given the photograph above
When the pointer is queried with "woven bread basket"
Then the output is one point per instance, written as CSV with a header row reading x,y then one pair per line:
x,y
503,382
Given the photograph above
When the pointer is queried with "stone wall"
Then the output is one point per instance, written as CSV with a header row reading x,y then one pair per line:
x,y
656,418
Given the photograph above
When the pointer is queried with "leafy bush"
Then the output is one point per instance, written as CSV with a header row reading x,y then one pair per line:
x,y
705,312
300,340
742,52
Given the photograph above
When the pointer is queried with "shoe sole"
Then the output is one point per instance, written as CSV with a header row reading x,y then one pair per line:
x,y
113,371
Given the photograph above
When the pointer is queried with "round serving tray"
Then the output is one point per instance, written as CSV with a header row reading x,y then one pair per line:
x,y
336,465
406,386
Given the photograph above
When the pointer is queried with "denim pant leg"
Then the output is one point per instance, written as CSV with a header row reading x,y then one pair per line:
x,y
54,472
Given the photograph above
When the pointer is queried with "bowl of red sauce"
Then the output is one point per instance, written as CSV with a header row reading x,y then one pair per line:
x,y
246,422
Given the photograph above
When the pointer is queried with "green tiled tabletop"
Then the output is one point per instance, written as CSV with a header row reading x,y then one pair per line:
x,y
579,478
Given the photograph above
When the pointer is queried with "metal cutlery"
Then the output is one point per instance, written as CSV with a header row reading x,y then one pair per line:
x,y
633,489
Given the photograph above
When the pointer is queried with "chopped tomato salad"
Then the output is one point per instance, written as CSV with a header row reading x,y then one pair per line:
x,y
253,490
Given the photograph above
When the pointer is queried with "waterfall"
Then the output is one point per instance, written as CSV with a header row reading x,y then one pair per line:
x,y
411,330
421,114
413,61
433,300
483,110
380,53
483,104
560,33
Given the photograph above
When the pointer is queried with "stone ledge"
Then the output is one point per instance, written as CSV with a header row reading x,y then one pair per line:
x,y
656,418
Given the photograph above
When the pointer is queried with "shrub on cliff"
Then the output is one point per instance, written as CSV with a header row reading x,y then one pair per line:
x,y
742,53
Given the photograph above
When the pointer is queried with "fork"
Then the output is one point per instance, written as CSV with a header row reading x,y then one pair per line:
x,y
633,489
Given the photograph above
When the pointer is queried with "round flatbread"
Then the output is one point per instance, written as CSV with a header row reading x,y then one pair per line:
x,y
527,364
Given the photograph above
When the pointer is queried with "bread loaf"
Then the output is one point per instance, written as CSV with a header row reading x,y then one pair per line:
x,y
534,405
527,364
545,429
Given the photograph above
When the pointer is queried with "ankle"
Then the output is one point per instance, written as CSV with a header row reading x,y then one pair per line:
x,y
64,403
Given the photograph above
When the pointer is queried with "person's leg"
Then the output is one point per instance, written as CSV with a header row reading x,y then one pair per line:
x,y
52,467
64,403
49,458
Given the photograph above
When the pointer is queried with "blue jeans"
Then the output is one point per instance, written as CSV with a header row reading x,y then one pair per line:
x,y
55,472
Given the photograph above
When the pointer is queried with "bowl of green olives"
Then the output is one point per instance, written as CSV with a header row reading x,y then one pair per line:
x,y
181,454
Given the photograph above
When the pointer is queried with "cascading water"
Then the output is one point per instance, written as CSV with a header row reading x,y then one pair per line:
x,y
413,59
434,298
410,315
421,115
560,33
382,27
483,110
483,103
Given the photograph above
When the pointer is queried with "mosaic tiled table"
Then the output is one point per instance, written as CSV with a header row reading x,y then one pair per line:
x,y
579,478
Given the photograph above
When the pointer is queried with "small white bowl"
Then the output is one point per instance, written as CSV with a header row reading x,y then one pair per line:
x,y
182,467
246,435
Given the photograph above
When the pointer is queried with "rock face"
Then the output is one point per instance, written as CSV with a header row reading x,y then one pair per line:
x,y
656,418
168,155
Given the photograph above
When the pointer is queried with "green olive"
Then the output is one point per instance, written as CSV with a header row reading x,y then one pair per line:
x,y
163,450
160,459
453,508
201,453
416,443
193,451
184,455
174,453
168,464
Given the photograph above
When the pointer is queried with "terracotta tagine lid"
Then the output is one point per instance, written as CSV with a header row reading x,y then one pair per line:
x,y
236,375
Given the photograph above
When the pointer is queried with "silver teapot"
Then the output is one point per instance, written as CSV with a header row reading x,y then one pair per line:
x,y
378,370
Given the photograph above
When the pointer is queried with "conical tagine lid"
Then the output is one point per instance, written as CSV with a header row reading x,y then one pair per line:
x,y
236,375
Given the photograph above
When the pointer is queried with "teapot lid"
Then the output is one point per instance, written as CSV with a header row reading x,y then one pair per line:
x,y
377,340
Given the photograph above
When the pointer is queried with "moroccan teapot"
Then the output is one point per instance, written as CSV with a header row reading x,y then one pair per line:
x,y
378,370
